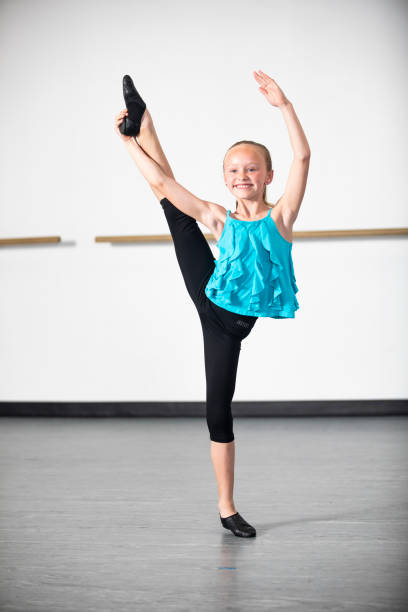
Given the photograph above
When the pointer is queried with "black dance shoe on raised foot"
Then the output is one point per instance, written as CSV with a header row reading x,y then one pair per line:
x,y
238,526
130,125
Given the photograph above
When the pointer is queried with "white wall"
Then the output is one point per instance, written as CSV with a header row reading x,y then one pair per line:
x,y
87,321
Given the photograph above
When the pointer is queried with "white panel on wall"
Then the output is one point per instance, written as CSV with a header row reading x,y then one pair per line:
x,y
87,321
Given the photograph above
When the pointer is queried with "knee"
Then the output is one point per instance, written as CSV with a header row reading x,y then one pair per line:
x,y
175,215
169,208
220,424
165,203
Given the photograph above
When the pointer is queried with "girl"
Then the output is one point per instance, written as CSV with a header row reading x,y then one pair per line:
x,y
253,275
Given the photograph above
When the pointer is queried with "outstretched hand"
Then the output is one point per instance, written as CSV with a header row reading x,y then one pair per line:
x,y
270,89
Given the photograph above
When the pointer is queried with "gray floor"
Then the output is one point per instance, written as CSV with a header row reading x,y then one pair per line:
x,y
121,515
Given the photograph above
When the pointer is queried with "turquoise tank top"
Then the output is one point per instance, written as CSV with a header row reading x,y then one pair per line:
x,y
254,273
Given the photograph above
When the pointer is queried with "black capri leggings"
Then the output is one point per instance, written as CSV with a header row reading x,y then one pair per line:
x,y
223,330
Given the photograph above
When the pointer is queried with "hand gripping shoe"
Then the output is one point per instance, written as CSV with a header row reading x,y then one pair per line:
x,y
238,526
130,125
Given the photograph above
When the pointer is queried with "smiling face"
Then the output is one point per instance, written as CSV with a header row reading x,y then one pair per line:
x,y
245,173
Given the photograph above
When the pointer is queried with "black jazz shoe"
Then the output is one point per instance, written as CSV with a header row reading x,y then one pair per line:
x,y
130,125
238,526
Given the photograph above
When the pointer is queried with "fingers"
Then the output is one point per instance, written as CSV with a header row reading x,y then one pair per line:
x,y
119,118
122,113
263,78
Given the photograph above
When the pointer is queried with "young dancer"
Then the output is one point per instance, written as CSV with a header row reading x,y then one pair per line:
x,y
253,276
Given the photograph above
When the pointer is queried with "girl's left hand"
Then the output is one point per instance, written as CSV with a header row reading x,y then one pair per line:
x,y
270,89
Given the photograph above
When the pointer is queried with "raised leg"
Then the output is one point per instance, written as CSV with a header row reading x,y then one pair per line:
x,y
193,252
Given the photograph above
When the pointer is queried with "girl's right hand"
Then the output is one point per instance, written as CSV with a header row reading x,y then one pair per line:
x,y
119,120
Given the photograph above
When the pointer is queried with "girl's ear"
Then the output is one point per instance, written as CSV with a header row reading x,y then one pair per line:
x,y
269,177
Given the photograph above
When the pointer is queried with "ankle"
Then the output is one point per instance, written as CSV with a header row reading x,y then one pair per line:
x,y
226,508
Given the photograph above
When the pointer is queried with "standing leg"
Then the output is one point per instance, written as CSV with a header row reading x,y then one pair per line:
x,y
221,363
223,458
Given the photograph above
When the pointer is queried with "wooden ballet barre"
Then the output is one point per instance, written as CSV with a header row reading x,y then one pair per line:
x,y
35,240
389,231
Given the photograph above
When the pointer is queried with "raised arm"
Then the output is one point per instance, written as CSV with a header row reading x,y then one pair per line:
x,y
295,186
289,203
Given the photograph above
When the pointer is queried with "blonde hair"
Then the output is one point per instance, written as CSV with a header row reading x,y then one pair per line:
x,y
267,158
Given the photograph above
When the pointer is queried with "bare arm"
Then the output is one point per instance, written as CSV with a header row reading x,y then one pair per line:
x,y
298,140
184,200
295,186
161,179
289,203
150,169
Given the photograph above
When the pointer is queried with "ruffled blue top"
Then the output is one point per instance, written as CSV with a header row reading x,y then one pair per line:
x,y
254,273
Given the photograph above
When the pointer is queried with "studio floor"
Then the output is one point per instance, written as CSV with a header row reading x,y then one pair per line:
x,y
120,514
